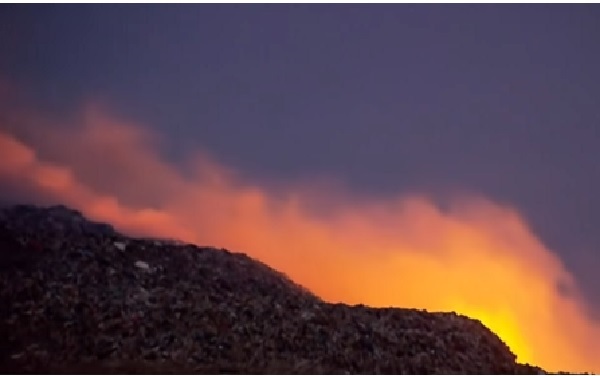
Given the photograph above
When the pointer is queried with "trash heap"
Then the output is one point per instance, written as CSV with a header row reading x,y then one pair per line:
x,y
79,297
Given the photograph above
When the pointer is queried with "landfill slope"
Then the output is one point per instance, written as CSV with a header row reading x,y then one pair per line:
x,y
79,297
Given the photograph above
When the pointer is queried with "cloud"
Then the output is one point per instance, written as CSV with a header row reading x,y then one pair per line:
x,y
475,256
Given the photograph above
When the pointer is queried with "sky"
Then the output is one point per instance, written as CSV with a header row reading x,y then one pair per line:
x,y
397,128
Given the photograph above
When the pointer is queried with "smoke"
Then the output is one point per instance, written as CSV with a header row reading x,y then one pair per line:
x,y
475,256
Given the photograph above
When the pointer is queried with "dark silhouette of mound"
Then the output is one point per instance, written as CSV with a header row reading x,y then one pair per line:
x,y
78,297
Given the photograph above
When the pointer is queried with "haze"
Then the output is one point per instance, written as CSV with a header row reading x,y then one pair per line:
x,y
437,156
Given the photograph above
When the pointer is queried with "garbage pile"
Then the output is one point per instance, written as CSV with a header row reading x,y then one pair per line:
x,y
79,297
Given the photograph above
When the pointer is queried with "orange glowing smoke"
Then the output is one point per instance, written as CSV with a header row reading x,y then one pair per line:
x,y
477,258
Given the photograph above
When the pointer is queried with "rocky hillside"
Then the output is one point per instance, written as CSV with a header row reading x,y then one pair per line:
x,y
78,297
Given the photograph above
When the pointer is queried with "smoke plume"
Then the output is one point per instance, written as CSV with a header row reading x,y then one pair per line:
x,y
475,256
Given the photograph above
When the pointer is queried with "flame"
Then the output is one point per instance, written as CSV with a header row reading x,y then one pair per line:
x,y
477,257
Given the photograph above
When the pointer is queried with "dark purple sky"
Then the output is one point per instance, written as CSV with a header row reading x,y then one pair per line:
x,y
498,99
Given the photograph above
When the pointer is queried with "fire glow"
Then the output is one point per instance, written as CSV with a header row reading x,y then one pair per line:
x,y
478,258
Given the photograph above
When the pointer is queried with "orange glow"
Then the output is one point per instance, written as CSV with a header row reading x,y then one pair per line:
x,y
478,258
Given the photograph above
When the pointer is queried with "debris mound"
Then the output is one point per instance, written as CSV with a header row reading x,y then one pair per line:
x,y
79,297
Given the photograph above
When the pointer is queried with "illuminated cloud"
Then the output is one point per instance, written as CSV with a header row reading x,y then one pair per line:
x,y
476,257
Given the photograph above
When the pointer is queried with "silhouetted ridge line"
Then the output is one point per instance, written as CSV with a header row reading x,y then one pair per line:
x,y
80,297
